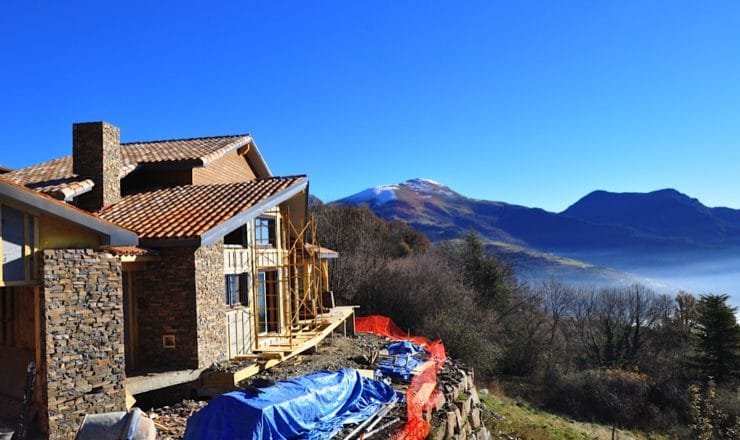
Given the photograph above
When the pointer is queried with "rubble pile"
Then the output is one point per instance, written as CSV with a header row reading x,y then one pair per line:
x,y
458,413
171,420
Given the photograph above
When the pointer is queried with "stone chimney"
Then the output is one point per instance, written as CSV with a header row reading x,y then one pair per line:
x,y
96,154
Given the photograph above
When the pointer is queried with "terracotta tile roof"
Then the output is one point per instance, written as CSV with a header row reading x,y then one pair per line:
x,y
66,189
202,150
64,205
39,174
58,173
184,212
54,178
130,251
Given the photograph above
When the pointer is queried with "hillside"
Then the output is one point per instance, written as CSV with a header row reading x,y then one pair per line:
x,y
537,267
517,419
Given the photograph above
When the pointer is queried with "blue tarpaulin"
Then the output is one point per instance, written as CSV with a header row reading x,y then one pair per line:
x,y
404,358
314,406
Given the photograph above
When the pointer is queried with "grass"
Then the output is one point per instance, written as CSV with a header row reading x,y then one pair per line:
x,y
523,421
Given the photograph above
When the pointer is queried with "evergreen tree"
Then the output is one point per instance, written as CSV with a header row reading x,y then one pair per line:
x,y
717,338
493,280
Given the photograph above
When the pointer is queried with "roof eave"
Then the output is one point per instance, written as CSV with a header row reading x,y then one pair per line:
x,y
215,234
244,141
171,242
117,236
255,159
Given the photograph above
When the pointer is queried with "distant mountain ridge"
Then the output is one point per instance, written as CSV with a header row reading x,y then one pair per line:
x,y
622,230
659,219
667,213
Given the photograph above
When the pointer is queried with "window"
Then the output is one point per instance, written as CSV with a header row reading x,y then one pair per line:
x,y
267,302
237,237
18,232
237,289
264,231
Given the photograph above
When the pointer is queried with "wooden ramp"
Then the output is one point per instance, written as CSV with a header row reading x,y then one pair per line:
x,y
273,354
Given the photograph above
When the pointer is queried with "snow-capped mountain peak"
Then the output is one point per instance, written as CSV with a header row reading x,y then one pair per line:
x,y
377,195
422,185
380,195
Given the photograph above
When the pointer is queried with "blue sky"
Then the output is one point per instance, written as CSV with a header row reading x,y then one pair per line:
x,y
536,103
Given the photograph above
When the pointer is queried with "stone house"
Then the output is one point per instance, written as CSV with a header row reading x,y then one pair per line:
x,y
132,267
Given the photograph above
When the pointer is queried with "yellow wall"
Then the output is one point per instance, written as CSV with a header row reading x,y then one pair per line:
x,y
57,234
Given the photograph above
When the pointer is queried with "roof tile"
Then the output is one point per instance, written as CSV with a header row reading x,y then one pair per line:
x,y
59,172
189,211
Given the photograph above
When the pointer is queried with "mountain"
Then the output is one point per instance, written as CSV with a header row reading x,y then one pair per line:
x,y
627,231
661,221
666,213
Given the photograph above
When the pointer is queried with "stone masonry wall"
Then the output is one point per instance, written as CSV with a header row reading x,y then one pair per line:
x,y
166,306
83,359
96,154
458,413
211,304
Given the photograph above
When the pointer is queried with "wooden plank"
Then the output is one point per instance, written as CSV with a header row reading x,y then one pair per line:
x,y
245,373
271,356
273,349
130,400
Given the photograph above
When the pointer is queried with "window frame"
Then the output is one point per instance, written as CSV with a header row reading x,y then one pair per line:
x,y
29,254
244,231
267,294
266,224
241,296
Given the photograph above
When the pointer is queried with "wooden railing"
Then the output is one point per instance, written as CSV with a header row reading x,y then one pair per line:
x,y
237,260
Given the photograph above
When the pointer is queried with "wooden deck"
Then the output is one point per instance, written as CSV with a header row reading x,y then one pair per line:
x,y
271,355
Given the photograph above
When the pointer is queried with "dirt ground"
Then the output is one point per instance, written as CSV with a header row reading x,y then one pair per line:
x,y
332,354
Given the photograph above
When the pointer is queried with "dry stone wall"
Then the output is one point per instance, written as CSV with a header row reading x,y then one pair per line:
x,y
458,414
83,361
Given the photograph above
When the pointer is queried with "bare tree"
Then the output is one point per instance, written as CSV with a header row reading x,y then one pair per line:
x,y
557,301
613,323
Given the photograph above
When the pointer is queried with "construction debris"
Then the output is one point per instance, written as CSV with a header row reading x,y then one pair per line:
x,y
314,406
171,420
454,382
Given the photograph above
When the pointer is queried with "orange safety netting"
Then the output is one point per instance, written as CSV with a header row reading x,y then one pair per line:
x,y
422,393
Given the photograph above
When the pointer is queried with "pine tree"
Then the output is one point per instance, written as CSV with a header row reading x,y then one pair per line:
x,y
717,338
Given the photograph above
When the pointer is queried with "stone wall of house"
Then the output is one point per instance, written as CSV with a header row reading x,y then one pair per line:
x,y
166,307
210,297
82,350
